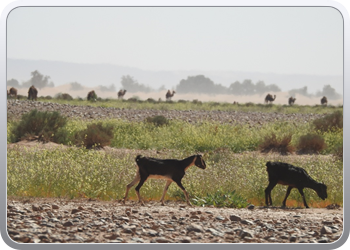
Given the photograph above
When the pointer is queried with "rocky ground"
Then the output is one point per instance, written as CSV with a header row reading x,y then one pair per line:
x,y
86,221
16,108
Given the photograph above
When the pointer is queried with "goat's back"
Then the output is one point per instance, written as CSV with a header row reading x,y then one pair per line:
x,y
286,172
155,166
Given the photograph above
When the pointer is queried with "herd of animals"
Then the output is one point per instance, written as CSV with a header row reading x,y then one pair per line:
x,y
173,170
33,94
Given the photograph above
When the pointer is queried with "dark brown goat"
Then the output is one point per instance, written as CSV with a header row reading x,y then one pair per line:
x,y
294,177
171,170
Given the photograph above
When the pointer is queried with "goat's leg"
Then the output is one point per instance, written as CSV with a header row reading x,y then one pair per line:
x,y
130,185
137,189
268,200
287,194
165,190
178,182
302,195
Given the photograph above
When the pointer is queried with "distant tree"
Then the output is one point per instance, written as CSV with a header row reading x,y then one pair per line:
x,y
329,92
301,91
38,80
236,88
248,87
260,87
273,88
111,88
76,86
13,83
196,84
131,85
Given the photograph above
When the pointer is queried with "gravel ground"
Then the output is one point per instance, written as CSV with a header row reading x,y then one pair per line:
x,y
84,221
16,108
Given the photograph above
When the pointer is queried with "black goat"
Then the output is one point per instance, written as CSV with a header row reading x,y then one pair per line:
x,y
294,177
168,169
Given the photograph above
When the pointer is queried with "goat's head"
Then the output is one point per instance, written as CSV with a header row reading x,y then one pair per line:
x,y
199,162
322,191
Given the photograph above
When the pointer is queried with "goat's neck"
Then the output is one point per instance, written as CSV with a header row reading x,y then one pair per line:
x,y
312,184
189,161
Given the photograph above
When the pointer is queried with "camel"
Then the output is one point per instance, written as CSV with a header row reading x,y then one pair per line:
x,y
91,95
291,100
32,93
121,94
169,95
12,92
324,101
269,98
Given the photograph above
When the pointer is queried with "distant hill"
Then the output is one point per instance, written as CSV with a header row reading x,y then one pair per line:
x,y
91,75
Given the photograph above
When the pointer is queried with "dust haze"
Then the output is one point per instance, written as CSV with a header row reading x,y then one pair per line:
x,y
281,97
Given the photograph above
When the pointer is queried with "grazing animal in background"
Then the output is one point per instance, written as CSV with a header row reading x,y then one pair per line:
x,y
171,170
32,93
324,101
91,96
169,95
269,98
121,93
12,92
291,100
294,177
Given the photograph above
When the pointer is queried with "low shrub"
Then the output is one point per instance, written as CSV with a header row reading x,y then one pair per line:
x,y
96,135
311,144
271,143
221,199
158,120
64,96
329,122
43,126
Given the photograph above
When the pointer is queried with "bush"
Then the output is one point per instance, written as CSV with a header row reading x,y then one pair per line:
x,y
217,199
272,144
43,126
64,96
157,120
329,122
310,144
95,136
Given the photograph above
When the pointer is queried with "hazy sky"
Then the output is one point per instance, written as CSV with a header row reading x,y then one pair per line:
x,y
287,40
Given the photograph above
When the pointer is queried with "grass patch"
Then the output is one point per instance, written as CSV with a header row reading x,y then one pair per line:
x,y
77,172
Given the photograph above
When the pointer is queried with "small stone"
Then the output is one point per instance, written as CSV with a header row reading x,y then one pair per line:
x,y
194,228
235,218
326,230
185,240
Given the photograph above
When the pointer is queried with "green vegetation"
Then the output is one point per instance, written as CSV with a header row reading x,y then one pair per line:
x,y
76,172
236,173
45,126
96,135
